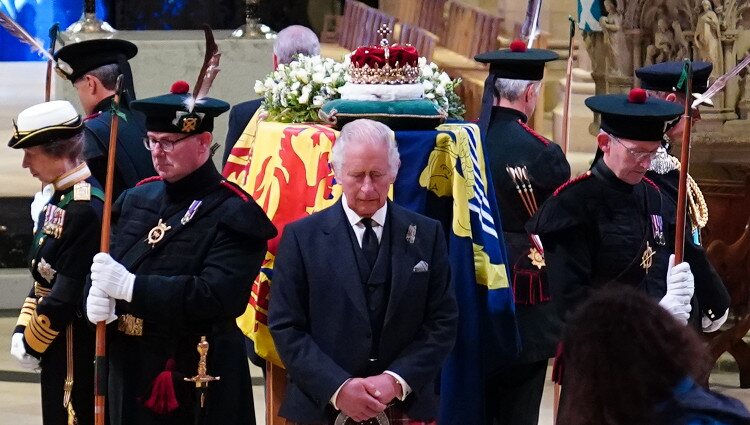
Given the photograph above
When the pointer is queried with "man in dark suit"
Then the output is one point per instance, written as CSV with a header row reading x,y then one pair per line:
x,y
362,312
93,69
290,42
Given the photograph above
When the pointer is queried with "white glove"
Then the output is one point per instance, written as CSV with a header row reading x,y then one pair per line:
x,y
41,199
112,277
18,351
680,288
100,307
709,325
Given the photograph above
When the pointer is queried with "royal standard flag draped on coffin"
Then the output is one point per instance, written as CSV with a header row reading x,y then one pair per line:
x,y
285,167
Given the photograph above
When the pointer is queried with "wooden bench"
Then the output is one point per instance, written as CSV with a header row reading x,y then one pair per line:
x,y
360,24
423,40
468,32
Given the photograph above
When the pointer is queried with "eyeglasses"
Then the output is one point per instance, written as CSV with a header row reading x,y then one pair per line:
x,y
165,145
638,156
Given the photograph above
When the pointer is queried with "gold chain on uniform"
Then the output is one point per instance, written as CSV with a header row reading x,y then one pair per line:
x,y
697,207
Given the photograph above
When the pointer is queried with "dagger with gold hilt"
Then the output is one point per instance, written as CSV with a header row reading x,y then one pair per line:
x,y
202,379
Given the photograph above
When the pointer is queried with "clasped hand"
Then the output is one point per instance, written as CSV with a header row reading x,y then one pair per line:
x,y
364,398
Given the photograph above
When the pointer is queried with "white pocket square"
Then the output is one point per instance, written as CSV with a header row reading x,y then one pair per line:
x,y
421,267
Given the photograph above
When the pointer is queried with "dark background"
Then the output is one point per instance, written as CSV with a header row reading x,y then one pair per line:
x,y
219,14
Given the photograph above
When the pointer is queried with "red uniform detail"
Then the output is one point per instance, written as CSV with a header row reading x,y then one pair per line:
x,y
237,191
148,180
517,46
534,133
651,182
569,182
179,87
637,95
92,116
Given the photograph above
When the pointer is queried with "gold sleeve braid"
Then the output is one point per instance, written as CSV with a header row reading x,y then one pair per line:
x,y
697,208
28,309
39,333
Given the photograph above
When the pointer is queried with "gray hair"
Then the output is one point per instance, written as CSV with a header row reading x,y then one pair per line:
x,y
107,74
365,131
70,147
294,40
511,90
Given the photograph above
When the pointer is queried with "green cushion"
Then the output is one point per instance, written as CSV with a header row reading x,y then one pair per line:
x,y
420,114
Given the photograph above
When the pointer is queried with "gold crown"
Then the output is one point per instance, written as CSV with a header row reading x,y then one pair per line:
x,y
406,74
395,73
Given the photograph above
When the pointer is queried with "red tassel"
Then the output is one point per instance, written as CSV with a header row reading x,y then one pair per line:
x,y
163,399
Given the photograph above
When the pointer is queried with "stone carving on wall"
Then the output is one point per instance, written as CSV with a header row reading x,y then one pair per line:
x,y
615,40
669,42
653,31
708,38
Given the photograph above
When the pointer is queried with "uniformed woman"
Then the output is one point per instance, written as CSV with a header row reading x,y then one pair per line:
x,y
51,334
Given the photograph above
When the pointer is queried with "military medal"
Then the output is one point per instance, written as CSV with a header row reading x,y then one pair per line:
x,y
657,228
411,234
156,234
536,253
45,269
190,212
647,259
536,257
54,218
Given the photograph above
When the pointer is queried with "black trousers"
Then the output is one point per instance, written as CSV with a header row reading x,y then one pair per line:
x,y
514,393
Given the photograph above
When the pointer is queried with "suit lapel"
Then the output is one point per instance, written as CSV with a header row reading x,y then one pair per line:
x,y
343,264
402,261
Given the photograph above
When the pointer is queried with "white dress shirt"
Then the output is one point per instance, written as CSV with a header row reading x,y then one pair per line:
x,y
378,221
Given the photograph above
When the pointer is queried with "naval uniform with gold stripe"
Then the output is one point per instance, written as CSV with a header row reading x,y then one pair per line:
x,y
64,245
194,246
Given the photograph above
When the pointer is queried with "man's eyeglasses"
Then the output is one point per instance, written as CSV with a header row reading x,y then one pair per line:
x,y
638,156
165,145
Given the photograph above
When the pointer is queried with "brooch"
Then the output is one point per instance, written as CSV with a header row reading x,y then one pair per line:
x,y
156,234
647,259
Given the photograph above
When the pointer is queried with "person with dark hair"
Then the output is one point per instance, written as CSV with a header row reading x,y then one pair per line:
x,y
290,42
629,362
93,67
520,157
51,333
185,247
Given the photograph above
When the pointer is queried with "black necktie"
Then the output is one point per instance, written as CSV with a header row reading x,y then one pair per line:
x,y
369,242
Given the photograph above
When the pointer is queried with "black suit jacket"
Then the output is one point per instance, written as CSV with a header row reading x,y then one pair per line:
x,y
239,117
318,313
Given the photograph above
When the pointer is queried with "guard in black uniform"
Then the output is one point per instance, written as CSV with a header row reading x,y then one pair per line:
x,y
609,225
92,68
51,332
661,80
185,249
526,168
